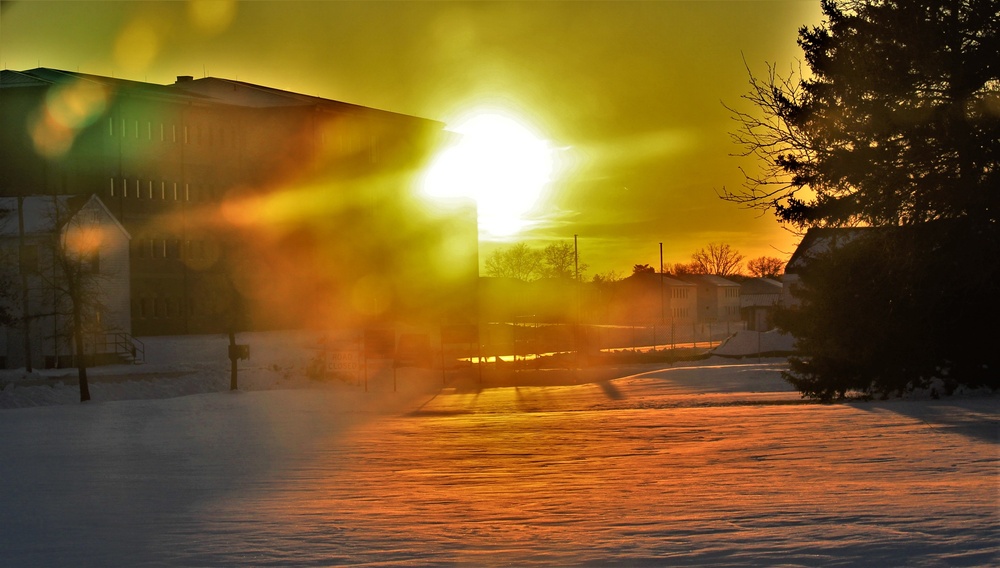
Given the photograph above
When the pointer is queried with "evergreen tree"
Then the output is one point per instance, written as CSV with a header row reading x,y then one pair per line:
x,y
897,126
897,123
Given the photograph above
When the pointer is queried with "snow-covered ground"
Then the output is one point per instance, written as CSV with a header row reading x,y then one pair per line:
x,y
717,463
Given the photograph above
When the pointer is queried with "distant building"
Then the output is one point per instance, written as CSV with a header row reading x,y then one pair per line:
x,y
650,298
248,206
758,299
718,299
41,237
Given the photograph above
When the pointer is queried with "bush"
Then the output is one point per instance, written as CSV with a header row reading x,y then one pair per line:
x,y
894,308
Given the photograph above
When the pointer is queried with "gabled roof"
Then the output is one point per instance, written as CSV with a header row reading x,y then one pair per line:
x,y
819,240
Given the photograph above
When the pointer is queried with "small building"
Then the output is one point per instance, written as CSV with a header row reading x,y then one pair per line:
x,y
52,248
718,299
758,299
816,241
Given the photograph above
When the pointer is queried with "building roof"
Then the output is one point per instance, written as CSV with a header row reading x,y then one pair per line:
x,y
241,93
205,90
819,240
45,77
708,279
759,292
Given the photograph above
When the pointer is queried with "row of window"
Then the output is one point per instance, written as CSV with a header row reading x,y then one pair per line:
x,y
732,292
169,248
679,292
171,133
680,312
163,190
160,308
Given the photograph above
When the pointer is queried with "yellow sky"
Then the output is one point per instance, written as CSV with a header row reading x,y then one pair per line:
x,y
629,95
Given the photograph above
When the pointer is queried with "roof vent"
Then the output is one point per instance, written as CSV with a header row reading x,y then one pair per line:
x,y
184,78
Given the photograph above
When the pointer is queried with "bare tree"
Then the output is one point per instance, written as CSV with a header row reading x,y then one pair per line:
x,y
719,259
608,277
517,261
76,279
682,268
559,260
765,266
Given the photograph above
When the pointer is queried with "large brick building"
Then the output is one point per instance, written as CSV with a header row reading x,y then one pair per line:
x,y
246,202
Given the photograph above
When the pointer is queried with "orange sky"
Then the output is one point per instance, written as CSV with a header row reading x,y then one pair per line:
x,y
630,95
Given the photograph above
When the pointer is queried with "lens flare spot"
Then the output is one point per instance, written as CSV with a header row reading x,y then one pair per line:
x,y
67,110
498,161
211,16
137,45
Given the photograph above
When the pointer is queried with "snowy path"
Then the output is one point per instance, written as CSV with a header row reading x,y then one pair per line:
x,y
708,466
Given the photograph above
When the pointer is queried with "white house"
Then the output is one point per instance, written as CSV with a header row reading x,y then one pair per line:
x,y
49,247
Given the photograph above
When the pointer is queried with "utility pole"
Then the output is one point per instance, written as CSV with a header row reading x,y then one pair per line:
x,y
662,307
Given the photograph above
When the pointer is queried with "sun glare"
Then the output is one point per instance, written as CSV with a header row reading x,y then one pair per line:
x,y
500,163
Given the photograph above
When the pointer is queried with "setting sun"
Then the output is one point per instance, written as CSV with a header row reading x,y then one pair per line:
x,y
501,164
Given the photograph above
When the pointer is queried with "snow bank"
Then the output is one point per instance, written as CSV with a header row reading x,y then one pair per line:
x,y
745,343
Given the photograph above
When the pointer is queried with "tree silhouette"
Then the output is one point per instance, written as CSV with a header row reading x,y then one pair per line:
x,y
765,266
643,269
896,127
559,260
518,261
521,262
897,122
719,259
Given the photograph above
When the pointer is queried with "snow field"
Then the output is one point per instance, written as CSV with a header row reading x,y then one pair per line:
x,y
714,464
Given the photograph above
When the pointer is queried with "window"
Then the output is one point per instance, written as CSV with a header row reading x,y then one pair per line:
x,y
187,192
175,191
149,130
150,189
173,133
112,187
111,127
163,190
123,128
162,138
29,259
186,138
